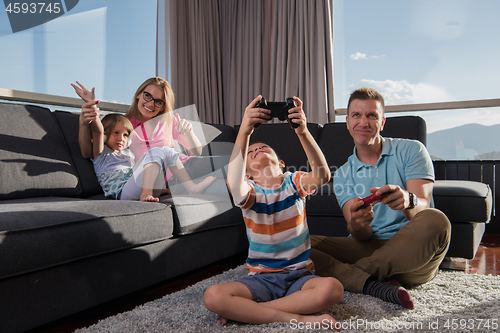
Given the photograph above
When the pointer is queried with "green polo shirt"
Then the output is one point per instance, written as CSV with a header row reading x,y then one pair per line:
x,y
400,161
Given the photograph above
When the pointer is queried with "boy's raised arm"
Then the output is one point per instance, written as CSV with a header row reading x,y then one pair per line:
x,y
236,169
237,165
320,172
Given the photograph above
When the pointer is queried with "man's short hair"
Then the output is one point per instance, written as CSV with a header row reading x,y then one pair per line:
x,y
365,94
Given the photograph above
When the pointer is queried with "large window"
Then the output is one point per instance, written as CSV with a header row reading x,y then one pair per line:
x,y
106,44
425,51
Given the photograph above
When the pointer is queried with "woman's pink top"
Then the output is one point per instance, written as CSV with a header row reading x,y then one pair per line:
x,y
141,142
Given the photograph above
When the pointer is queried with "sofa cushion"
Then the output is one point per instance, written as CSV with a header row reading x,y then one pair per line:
x,y
463,201
406,127
34,160
282,138
195,213
69,124
223,143
336,144
324,202
44,232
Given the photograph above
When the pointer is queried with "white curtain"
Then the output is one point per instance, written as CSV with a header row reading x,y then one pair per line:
x,y
224,53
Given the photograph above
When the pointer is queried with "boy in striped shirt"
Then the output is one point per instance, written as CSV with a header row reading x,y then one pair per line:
x,y
281,285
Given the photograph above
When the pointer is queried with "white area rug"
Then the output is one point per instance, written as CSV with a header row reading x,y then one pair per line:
x,y
452,302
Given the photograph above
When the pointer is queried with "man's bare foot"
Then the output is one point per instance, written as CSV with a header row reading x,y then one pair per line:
x,y
222,321
202,186
149,198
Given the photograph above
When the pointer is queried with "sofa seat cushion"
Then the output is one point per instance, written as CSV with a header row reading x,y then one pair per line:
x,y
34,160
44,232
195,213
463,201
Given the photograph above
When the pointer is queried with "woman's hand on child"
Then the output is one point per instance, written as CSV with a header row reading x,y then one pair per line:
x,y
182,125
90,112
84,93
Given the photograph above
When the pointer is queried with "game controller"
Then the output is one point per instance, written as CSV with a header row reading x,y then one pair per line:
x,y
372,200
278,110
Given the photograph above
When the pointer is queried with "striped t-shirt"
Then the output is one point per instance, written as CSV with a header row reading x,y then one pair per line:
x,y
277,227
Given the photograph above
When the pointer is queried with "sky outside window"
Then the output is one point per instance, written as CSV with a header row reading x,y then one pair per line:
x,y
424,51
106,44
418,51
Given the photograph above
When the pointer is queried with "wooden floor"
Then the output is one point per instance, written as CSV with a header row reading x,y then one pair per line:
x,y
487,261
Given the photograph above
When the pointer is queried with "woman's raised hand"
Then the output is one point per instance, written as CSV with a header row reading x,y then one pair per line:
x,y
89,113
84,93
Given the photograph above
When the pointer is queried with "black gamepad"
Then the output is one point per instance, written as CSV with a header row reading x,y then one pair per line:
x,y
278,110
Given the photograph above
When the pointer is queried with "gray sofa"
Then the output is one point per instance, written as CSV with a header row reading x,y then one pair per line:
x,y
65,248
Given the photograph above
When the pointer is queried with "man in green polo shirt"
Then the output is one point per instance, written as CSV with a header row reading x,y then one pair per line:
x,y
402,239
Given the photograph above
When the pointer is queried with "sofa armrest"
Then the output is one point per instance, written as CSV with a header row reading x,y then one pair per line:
x,y
463,201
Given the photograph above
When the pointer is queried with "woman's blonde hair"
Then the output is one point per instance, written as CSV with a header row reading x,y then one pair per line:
x,y
160,83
